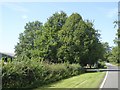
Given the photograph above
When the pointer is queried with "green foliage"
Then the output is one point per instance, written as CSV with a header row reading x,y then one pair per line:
x,y
114,55
101,64
116,49
106,51
61,39
9,60
80,42
2,58
48,43
26,39
53,51
69,50
32,73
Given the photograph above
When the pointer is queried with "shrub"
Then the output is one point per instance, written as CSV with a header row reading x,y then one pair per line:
x,y
101,64
30,74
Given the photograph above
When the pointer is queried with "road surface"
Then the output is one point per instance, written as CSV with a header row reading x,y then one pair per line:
x,y
112,77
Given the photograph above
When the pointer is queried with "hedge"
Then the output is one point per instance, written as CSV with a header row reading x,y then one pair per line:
x,y
30,74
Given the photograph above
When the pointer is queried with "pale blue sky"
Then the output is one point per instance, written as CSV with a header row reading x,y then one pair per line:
x,y
14,16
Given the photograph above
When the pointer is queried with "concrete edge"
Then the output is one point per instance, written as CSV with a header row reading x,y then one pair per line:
x,y
101,86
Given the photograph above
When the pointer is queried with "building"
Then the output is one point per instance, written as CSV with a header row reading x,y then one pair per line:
x,y
6,55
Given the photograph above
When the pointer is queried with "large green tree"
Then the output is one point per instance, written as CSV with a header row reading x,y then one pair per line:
x,y
49,42
80,42
61,39
69,49
26,39
94,46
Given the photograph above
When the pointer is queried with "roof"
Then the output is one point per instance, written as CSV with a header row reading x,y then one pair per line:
x,y
8,54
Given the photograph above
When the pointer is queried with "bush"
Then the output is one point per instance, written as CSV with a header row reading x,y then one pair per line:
x,y
30,74
101,64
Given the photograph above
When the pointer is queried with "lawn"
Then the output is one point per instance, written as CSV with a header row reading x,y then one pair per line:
x,y
87,80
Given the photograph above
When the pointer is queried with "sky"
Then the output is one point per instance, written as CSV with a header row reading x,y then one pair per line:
x,y
14,16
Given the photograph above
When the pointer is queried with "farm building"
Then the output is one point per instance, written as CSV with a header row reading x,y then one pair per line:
x,y
6,55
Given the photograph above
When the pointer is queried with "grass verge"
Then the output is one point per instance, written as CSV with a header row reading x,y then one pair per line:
x,y
87,80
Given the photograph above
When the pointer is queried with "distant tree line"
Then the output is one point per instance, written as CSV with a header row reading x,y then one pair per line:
x,y
115,52
112,54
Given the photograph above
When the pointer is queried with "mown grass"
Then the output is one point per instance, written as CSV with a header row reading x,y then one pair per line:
x,y
87,80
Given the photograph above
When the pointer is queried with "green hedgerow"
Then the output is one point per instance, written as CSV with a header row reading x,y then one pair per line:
x,y
31,73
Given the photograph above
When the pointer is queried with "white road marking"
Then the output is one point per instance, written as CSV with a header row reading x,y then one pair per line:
x,y
101,86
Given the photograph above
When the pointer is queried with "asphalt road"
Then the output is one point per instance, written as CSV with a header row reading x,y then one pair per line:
x,y
112,77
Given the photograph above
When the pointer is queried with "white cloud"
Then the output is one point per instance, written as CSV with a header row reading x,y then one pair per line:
x,y
112,13
24,16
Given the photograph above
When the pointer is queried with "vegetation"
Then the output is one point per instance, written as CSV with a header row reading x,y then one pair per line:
x,y
53,51
113,56
29,74
87,80
107,51
61,39
101,64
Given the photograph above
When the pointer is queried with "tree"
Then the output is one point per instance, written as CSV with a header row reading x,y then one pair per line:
x,y
61,39
94,47
26,39
48,42
107,51
114,55
80,42
68,50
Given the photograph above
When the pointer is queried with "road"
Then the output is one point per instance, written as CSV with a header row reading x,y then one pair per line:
x,y
112,77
